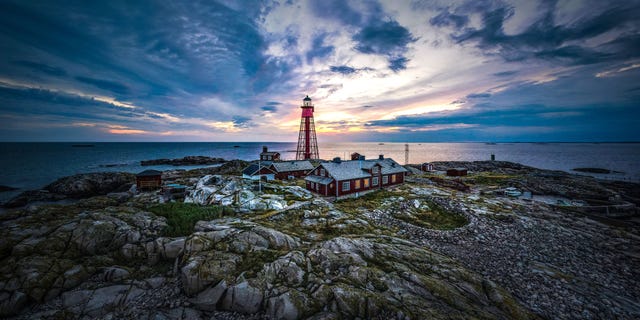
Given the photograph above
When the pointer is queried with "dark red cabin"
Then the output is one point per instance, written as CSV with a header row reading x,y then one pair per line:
x,y
149,180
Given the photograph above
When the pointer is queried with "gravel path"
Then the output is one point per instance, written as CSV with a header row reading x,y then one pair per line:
x,y
559,265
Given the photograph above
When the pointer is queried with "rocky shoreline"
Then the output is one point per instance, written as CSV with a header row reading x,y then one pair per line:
x,y
434,247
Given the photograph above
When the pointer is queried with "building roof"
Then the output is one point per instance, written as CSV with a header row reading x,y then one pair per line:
x,y
253,169
287,166
306,98
347,170
318,179
149,173
390,166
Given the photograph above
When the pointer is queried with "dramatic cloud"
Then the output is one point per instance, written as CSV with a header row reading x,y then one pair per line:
x,y
545,39
376,70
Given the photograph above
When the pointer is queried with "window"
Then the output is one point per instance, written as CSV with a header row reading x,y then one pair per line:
x,y
374,170
393,178
374,181
322,172
358,184
385,179
345,186
366,183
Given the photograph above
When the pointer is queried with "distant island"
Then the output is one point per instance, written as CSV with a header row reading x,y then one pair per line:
x,y
186,161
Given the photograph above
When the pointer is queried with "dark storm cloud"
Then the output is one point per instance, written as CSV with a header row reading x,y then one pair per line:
x,y
41,67
544,39
109,85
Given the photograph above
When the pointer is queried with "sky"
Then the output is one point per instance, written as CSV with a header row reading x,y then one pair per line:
x,y
398,71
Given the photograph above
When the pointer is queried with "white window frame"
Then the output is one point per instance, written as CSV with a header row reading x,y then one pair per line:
x,y
385,179
322,172
374,181
374,170
346,183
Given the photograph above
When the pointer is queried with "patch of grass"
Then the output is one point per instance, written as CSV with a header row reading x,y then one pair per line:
x,y
434,218
368,201
182,217
490,179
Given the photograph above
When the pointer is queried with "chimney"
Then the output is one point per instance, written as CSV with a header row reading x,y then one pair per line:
x,y
381,157
264,148
336,160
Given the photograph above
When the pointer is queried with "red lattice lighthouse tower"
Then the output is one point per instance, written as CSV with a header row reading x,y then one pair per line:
x,y
307,143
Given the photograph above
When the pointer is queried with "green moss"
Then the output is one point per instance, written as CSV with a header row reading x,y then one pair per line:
x,y
182,217
253,262
433,218
368,201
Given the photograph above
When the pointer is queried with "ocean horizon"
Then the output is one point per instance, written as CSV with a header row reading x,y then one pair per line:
x,y
32,165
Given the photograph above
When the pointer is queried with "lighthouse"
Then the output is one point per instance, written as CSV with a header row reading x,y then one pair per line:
x,y
307,143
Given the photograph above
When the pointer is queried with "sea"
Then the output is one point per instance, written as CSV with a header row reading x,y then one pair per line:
x,y
29,166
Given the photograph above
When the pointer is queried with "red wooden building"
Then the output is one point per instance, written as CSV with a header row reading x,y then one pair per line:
x,y
149,179
291,169
267,155
339,178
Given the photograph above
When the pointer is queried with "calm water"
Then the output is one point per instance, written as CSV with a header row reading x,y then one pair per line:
x,y
33,165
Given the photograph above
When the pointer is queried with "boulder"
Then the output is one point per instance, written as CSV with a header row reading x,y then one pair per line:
x,y
208,299
95,303
282,307
242,298
12,303
114,274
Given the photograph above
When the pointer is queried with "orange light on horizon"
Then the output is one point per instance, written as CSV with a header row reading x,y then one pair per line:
x,y
127,131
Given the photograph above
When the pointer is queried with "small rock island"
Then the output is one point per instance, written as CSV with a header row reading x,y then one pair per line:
x,y
503,241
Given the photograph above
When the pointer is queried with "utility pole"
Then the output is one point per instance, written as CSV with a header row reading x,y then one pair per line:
x,y
406,154
259,175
